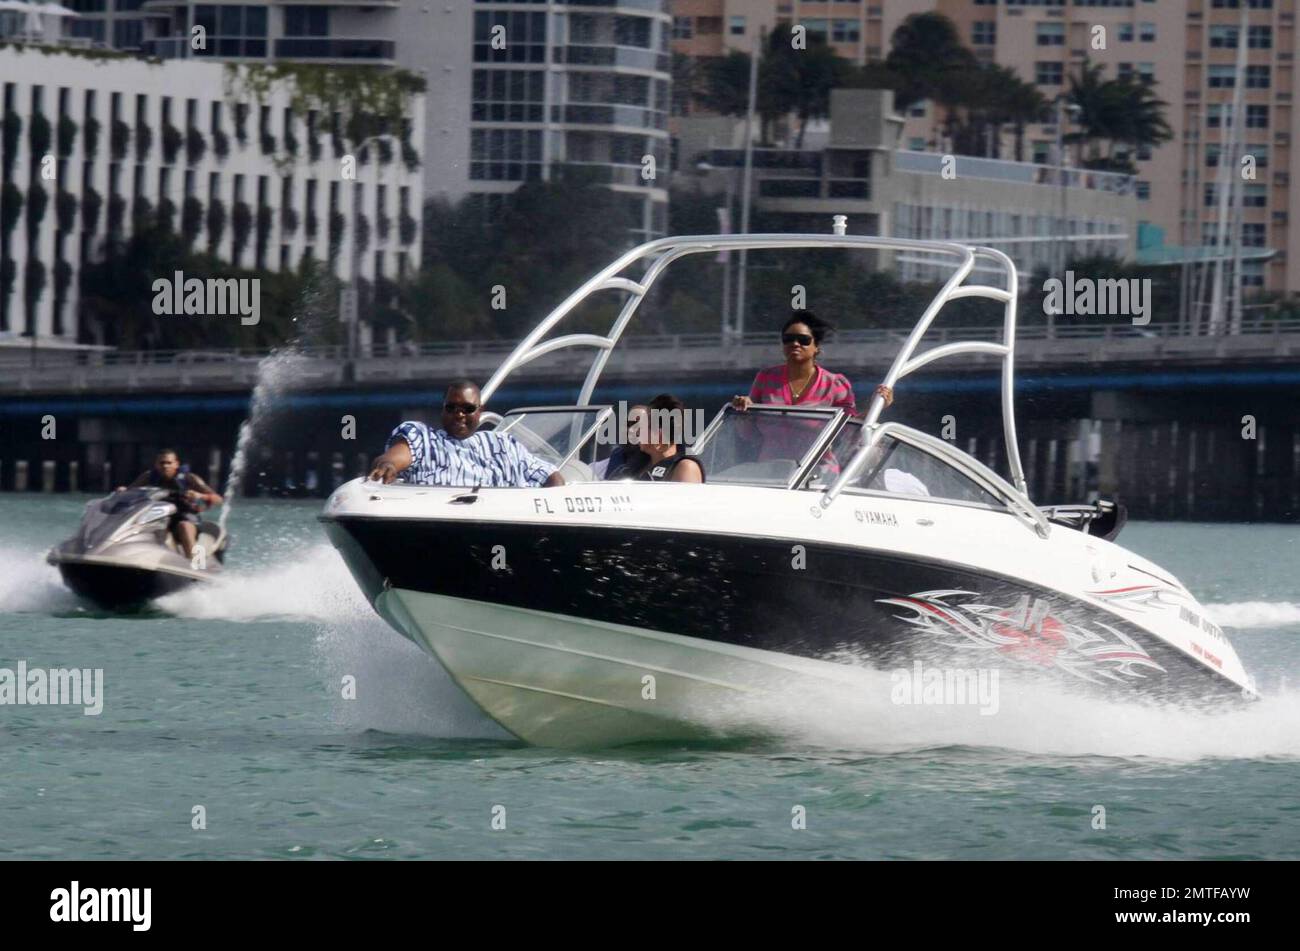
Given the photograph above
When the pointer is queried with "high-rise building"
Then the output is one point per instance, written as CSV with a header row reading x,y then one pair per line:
x,y
856,29
96,144
517,89
332,33
520,91
1187,50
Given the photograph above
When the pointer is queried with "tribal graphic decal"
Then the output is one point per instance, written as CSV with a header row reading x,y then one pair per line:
x,y
1025,633
1141,597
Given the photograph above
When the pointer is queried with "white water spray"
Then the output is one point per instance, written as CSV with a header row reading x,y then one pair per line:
x,y
276,373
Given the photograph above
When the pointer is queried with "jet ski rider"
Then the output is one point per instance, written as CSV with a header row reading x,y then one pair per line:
x,y
189,491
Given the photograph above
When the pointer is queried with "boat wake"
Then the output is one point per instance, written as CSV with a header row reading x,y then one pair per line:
x,y
398,688
309,584
1246,614
402,691
1041,719
29,586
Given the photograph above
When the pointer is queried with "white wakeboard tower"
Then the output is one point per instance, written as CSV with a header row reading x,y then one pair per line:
x,y
653,258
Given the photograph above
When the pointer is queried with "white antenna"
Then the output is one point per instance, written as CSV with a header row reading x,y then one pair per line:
x,y
840,224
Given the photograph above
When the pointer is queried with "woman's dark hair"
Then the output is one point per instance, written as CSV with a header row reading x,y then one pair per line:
x,y
666,401
676,421
818,326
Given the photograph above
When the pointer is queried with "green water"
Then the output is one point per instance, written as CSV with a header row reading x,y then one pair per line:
x,y
231,699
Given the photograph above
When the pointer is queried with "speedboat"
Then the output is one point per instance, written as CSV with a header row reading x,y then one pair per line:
x,y
602,613
123,554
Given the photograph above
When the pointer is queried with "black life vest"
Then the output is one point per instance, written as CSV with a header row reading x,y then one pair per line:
x,y
177,485
662,471
625,463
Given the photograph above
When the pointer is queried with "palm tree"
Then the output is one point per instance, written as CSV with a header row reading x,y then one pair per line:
x,y
1116,112
688,81
1014,102
1095,100
928,57
725,85
800,81
1141,117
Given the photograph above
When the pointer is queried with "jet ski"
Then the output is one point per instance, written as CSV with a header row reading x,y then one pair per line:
x,y
123,554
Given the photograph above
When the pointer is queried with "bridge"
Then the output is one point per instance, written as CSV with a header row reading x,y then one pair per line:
x,y
1177,426
1067,347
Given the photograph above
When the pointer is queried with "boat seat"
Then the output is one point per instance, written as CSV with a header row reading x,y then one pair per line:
x,y
773,471
577,471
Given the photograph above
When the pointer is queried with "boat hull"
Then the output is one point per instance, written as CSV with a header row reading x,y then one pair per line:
x,y
571,682
120,586
552,629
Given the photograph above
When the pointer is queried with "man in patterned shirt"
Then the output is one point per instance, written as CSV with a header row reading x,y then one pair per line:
x,y
458,454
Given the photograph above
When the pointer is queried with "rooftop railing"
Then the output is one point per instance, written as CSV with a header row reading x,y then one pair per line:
x,y
1027,173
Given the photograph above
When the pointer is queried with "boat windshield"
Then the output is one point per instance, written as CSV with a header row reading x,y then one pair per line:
x,y
552,434
764,446
898,467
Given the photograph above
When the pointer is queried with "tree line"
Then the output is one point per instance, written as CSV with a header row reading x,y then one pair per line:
x,y
976,102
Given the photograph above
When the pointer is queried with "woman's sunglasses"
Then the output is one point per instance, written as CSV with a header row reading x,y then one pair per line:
x,y
803,340
469,409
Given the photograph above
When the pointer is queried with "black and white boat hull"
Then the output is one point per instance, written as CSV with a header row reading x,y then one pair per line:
x,y
590,628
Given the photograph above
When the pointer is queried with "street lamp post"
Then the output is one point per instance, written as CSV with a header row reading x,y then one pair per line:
x,y
724,227
748,183
1062,108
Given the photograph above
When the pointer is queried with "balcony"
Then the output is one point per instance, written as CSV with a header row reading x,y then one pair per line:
x,y
654,6
311,47
809,162
223,47
605,173
636,117
633,57
789,188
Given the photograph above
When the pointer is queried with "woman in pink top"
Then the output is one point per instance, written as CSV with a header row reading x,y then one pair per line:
x,y
800,381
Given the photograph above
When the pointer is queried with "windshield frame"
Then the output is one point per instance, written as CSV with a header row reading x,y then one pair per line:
x,y
1011,501
513,417
835,418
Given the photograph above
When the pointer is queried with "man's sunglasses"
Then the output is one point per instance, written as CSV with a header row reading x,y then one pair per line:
x,y
469,409
801,339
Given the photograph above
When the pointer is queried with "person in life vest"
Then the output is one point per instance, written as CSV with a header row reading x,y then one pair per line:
x,y
658,430
189,492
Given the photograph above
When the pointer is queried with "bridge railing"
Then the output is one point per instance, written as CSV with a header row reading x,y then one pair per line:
x,y
200,361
